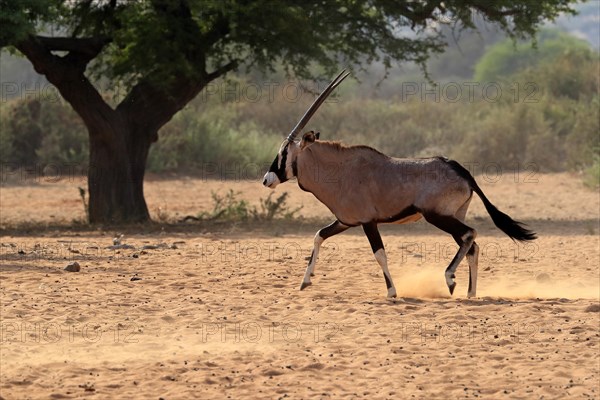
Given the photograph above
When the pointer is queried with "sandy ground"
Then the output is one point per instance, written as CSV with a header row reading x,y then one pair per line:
x,y
215,311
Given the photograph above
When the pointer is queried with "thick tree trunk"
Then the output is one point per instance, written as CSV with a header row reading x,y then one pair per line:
x,y
116,176
119,138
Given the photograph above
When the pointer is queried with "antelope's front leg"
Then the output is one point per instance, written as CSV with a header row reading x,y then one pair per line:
x,y
327,232
377,246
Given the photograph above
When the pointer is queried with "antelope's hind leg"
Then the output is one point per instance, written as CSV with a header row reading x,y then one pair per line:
x,y
472,254
327,232
377,246
473,259
465,237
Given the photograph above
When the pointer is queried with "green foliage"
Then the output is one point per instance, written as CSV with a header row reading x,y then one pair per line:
x,y
507,57
42,132
592,173
464,49
555,126
159,40
228,208
18,18
276,208
231,209
215,137
556,132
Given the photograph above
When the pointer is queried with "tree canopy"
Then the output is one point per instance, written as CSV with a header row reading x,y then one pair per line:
x,y
166,51
163,39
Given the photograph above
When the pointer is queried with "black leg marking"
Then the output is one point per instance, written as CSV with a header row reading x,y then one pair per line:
x,y
470,282
462,234
452,286
388,284
377,246
312,254
470,253
332,229
305,284
373,235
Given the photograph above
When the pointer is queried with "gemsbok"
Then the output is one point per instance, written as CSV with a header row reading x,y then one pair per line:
x,y
362,186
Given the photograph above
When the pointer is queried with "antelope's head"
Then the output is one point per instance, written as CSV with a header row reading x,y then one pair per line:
x,y
284,166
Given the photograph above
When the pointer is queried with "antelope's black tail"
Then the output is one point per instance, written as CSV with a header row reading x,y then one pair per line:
x,y
514,229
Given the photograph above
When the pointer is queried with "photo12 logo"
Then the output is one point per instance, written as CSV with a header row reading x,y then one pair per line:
x,y
453,92
53,332
271,332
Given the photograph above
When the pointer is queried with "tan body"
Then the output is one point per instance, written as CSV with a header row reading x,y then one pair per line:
x,y
361,185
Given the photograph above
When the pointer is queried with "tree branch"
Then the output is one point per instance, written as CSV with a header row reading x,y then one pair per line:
x,y
158,105
67,74
222,70
491,12
148,107
88,46
420,13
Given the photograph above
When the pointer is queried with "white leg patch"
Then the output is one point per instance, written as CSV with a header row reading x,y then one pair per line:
x,y
313,260
382,260
473,265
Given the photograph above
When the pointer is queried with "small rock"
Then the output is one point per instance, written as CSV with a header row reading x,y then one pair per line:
x,y
155,246
73,267
593,308
135,278
121,247
543,278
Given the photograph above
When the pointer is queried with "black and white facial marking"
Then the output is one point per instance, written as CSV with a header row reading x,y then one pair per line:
x,y
281,169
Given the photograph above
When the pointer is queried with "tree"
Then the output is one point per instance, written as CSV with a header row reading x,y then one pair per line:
x,y
167,51
506,58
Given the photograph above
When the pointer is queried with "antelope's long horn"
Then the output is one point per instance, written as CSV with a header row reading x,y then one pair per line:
x,y
316,104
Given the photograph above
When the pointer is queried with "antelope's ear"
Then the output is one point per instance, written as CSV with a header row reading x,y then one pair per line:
x,y
308,138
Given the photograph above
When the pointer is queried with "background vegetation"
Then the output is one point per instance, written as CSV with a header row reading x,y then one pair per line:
x,y
541,106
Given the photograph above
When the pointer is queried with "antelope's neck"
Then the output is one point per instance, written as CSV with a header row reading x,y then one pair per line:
x,y
320,171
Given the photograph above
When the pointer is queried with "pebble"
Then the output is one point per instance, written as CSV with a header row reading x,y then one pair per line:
x,y
73,267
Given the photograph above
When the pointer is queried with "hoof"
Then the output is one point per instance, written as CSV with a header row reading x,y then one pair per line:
x,y
451,287
305,284
392,294
471,295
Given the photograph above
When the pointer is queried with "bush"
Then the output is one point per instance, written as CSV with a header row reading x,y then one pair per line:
x,y
192,141
507,58
557,131
42,132
592,174
231,209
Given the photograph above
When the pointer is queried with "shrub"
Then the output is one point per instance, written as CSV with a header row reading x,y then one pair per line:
x,y
592,173
42,132
211,136
230,208
507,58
